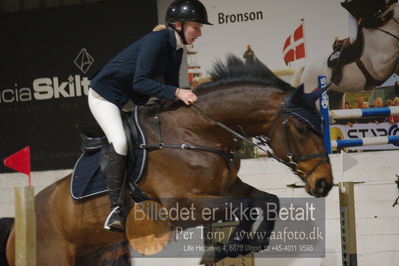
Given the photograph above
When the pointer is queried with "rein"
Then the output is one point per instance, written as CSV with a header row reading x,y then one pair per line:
x,y
389,33
293,159
227,156
234,133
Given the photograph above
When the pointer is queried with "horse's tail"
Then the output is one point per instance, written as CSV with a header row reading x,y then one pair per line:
x,y
5,228
296,79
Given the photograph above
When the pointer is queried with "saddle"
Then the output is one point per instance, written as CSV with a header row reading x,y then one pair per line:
x,y
92,143
88,178
345,53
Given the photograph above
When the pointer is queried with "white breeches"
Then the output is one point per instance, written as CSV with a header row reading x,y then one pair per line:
x,y
110,120
352,28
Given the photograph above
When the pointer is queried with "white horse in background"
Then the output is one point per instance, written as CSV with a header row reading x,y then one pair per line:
x,y
379,57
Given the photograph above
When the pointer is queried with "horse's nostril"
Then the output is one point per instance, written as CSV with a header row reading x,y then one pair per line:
x,y
322,187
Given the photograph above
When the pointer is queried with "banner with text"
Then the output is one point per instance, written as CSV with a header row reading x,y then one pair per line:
x,y
356,131
48,56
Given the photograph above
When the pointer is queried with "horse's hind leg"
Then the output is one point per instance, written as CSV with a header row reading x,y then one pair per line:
x,y
115,255
49,253
6,257
336,99
55,252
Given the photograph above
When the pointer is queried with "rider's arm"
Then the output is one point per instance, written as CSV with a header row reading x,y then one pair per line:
x,y
150,60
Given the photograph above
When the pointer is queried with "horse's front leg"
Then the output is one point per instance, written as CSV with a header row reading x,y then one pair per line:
x,y
266,205
241,202
207,209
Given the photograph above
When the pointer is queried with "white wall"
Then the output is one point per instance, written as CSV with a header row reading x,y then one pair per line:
x,y
377,223
324,20
9,181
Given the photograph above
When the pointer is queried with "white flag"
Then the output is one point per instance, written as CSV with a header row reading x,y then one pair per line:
x,y
347,161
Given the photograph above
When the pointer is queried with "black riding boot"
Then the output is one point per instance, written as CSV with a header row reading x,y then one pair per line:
x,y
115,171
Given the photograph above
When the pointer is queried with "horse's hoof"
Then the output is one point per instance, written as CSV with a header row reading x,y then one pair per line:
x,y
207,260
211,260
211,256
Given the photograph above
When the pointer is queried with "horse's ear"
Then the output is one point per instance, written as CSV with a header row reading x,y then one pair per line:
x,y
313,96
296,96
300,89
298,93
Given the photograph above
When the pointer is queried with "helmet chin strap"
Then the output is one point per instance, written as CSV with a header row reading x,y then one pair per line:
x,y
180,32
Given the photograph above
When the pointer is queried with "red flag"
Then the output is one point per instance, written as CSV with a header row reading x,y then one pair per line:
x,y
19,161
288,52
298,33
294,46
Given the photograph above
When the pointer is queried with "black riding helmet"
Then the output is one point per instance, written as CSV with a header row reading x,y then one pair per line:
x,y
186,11
365,9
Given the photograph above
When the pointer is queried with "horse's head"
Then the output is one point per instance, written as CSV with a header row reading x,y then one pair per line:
x,y
294,133
296,139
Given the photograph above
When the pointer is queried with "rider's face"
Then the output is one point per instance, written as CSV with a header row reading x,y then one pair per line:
x,y
192,31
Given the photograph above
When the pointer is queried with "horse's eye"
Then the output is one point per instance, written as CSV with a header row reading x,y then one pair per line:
x,y
301,130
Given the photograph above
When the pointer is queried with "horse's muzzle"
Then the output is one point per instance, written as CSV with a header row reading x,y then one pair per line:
x,y
322,187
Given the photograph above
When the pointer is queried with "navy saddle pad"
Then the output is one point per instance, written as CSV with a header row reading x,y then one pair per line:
x,y
87,178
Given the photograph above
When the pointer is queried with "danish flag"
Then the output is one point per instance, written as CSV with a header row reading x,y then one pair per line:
x,y
294,46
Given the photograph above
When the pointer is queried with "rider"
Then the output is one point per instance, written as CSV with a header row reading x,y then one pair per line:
x,y
130,76
361,12
364,10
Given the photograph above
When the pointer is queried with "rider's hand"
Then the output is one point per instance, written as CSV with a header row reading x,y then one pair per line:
x,y
187,96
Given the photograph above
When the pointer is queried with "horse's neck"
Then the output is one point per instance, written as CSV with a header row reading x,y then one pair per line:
x,y
381,50
251,107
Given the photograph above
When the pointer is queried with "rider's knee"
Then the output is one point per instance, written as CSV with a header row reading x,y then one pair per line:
x,y
120,146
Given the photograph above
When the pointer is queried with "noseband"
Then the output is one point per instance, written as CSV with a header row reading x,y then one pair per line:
x,y
295,158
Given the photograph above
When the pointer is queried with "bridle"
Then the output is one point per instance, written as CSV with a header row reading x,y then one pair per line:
x,y
293,157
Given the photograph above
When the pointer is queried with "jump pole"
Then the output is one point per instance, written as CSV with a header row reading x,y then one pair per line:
x,y
364,112
25,219
322,81
349,114
347,221
370,141
348,224
25,227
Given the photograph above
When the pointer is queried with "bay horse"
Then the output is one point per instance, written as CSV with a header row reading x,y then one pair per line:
x,y
247,96
379,57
